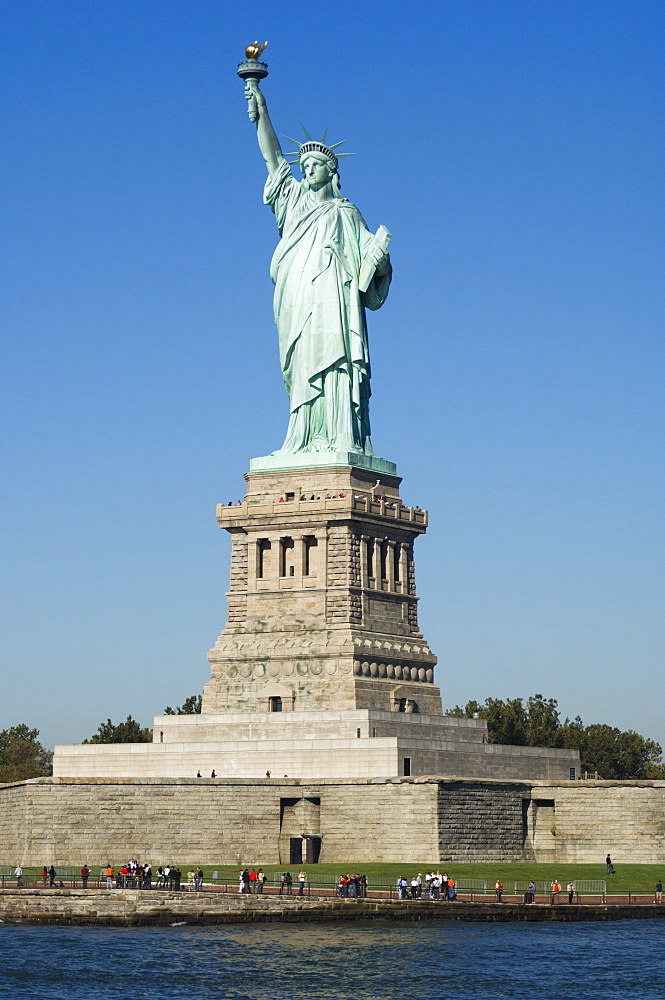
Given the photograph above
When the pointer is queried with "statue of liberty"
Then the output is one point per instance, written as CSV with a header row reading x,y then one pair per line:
x,y
328,268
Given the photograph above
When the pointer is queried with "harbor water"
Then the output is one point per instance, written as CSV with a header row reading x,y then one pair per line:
x,y
425,961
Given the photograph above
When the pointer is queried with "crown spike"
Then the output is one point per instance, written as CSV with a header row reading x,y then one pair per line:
x,y
323,138
307,135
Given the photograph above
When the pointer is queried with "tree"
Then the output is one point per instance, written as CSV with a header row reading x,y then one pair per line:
x,y
603,749
22,755
542,721
190,706
128,731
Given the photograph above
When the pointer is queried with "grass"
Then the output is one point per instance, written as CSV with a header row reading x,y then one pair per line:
x,y
636,878
629,877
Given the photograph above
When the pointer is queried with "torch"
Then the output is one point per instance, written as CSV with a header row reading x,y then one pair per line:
x,y
252,69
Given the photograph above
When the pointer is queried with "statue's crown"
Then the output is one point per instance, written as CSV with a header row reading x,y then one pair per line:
x,y
314,146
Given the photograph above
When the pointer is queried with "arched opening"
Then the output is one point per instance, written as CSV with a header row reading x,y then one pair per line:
x,y
275,703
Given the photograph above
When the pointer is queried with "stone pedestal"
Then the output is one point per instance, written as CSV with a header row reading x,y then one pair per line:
x,y
322,602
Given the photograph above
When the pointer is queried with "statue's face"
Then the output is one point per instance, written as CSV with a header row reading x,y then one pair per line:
x,y
317,171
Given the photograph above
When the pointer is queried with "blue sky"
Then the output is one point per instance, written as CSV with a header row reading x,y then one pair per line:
x,y
515,151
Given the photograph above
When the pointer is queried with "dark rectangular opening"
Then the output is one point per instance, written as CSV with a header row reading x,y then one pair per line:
x,y
310,554
295,850
407,767
573,774
263,556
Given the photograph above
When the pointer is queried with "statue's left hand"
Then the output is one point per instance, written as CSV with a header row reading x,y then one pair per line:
x,y
382,261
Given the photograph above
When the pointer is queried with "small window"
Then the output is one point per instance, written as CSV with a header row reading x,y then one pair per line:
x,y
370,557
286,556
407,767
383,550
396,561
374,731
358,733
263,558
573,774
275,704
310,555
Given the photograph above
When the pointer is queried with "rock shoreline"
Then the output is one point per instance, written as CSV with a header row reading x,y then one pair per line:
x,y
120,908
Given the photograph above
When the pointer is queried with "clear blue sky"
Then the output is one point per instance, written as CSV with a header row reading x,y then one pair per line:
x,y
515,151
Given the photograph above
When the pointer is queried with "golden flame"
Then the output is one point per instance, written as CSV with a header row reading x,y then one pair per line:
x,y
254,50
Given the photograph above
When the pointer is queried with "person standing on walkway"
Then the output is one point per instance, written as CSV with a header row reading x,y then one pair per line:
x,y
109,876
18,872
51,877
658,898
498,888
531,892
302,878
570,889
556,889
85,875
609,865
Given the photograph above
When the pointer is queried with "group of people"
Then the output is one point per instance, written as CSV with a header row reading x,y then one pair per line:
x,y
433,886
252,880
134,875
352,886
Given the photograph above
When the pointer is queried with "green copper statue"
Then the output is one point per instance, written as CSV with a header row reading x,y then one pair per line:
x,y
327,269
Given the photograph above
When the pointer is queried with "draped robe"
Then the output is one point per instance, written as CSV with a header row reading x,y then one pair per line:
x,y
320,316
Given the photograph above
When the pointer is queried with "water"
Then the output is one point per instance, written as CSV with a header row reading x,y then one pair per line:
x,y
427,961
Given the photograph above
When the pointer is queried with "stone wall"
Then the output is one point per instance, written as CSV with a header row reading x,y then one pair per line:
x,y
481,822
591,818
69,821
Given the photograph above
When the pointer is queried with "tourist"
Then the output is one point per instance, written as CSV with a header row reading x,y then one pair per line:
x,y
658,898
452,893
531,892
282,883
556,889
570,889
109,876
260,879
415,888
85,875
444,886
609,866
44,876
212,773
288,882
18,872
198,879
146,876
436,888
160,878
302,878
498,889
51,877
252,880
176,876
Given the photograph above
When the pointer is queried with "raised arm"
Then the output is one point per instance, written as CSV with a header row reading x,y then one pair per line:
x,y
268,141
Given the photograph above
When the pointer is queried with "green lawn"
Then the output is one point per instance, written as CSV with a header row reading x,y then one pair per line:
x,y
636,878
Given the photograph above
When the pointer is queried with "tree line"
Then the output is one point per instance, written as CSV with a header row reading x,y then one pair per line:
x,y
604,750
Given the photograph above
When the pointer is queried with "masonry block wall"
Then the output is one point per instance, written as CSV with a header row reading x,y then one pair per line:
x,y
418,821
